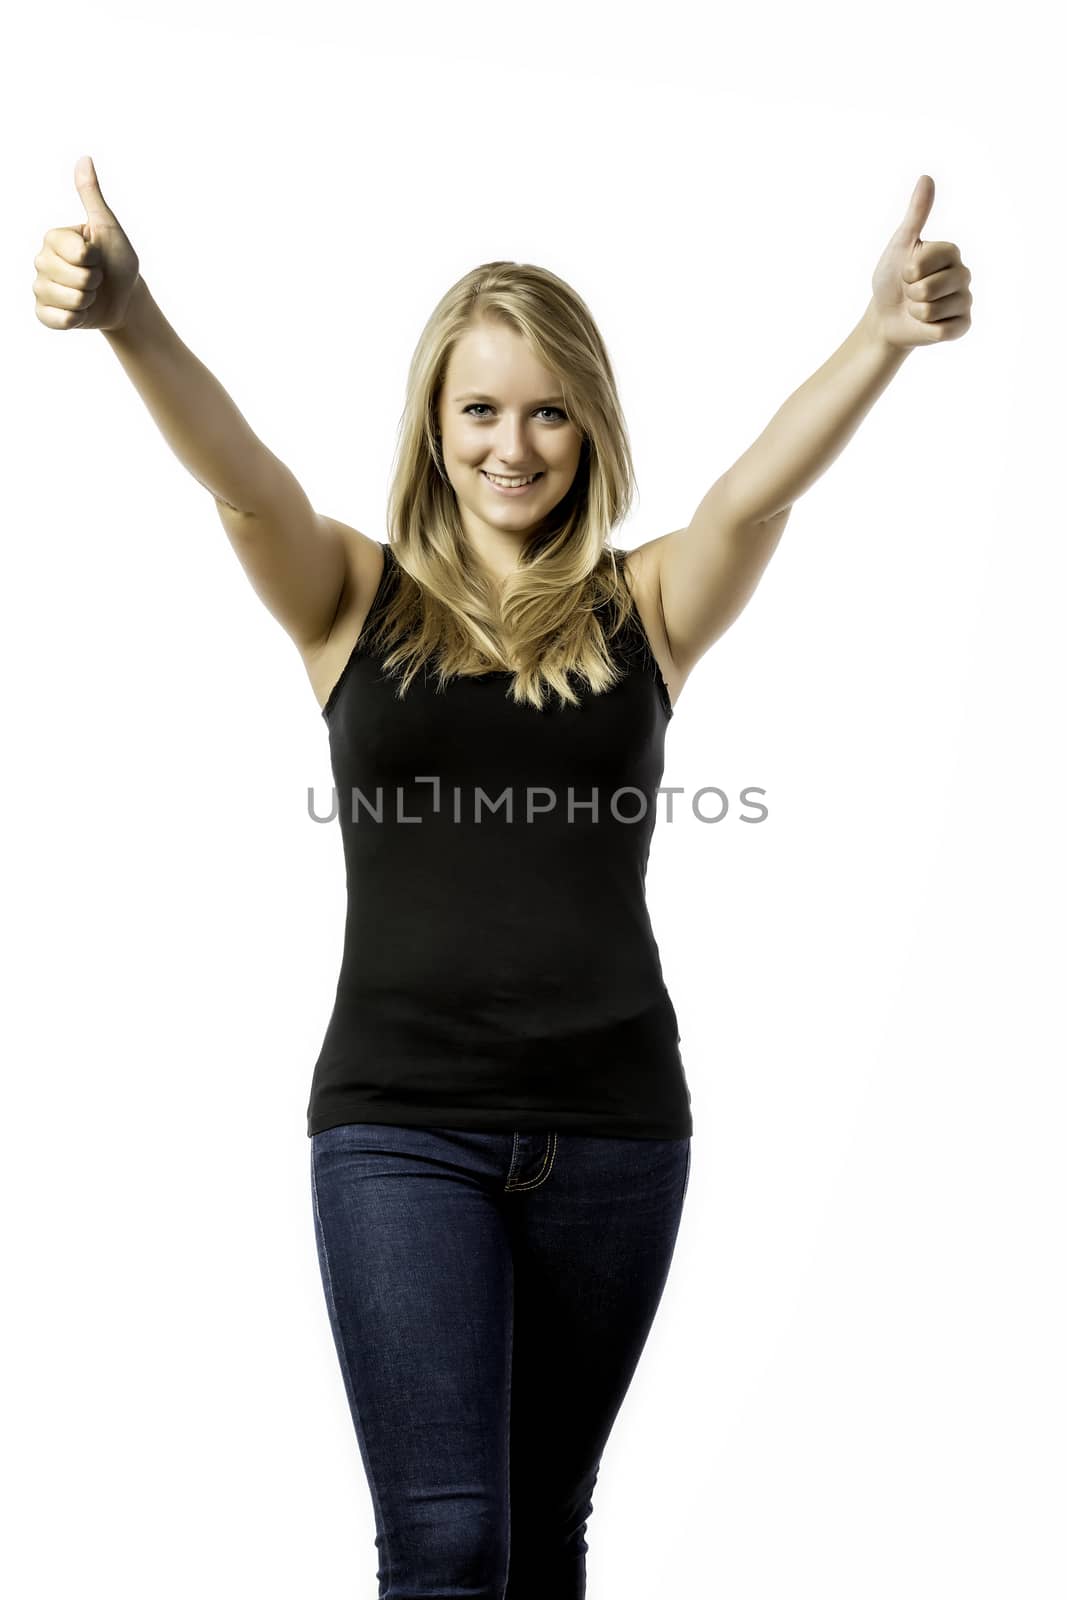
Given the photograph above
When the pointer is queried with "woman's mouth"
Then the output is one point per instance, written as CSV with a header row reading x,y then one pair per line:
x,y
503,487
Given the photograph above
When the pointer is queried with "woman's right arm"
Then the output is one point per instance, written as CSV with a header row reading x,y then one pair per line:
x,y
88,276
295,559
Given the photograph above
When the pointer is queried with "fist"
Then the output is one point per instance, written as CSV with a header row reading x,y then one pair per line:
x,y
86,273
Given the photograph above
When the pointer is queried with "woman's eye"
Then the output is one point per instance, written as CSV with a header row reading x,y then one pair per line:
x,y
478,406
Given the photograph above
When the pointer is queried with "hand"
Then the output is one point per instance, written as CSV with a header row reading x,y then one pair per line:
x,y
921,289
86,274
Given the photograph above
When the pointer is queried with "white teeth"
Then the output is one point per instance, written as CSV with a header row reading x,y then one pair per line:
x,y
509,483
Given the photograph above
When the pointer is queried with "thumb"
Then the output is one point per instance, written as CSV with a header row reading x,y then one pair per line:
x,y
919,208
96,207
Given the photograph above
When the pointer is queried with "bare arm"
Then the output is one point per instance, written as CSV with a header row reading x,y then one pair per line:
x,y
294,558
708,571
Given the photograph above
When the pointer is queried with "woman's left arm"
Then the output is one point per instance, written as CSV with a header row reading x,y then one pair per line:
x,y
709,570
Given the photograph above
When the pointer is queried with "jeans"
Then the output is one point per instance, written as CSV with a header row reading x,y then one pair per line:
x,y
490,1295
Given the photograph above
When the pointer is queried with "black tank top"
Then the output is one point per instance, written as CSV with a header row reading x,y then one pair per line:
x,y
499,970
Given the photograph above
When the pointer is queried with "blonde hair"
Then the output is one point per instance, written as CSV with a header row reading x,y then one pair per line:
x,y
568,597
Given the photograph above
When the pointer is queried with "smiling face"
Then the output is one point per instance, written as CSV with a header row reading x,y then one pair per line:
x,y
501,412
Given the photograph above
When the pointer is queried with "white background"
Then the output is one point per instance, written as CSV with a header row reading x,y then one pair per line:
x,y
855,1384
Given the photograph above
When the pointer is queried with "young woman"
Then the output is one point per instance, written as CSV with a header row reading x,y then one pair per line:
x,y
499,1117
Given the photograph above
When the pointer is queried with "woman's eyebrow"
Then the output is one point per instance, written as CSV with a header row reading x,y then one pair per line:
x,y
551,399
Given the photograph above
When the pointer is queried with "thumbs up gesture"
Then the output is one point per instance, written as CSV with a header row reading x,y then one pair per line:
x,y
86,273
921,288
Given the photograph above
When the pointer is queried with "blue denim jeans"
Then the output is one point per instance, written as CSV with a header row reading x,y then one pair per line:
x,y
490,1295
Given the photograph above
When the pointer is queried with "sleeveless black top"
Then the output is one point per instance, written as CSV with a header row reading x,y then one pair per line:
x,y
499,970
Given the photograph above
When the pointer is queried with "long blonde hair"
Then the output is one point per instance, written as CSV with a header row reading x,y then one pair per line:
x,y
568,596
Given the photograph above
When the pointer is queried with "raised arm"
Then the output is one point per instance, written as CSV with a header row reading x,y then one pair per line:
x,y
88,276
708,571
294,558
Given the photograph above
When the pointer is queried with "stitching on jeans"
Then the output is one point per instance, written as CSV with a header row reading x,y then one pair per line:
x,y
549,1162
332,1307
508,1354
